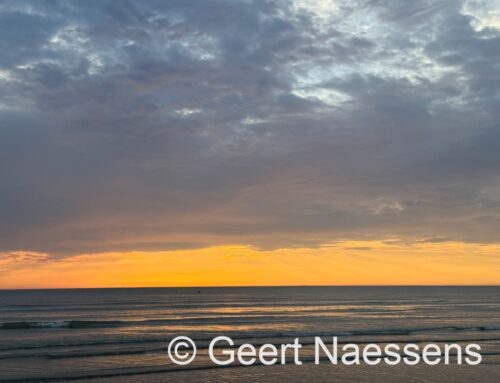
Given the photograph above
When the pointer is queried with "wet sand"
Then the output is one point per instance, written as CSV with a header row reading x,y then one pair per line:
x,y
484,373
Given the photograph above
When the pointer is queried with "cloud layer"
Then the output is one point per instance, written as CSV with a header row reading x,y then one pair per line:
x,y
153,125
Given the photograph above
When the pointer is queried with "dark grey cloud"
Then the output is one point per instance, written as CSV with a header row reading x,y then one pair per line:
x,y
140,125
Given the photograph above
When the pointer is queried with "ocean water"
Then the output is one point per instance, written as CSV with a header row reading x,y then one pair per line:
x,y
121,335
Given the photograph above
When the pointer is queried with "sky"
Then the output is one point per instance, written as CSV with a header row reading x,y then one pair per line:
x,y
197,143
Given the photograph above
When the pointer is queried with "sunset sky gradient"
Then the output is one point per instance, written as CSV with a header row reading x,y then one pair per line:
x,y
210,143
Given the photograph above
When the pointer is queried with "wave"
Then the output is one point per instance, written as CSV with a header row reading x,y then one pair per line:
x,y
151,350
84,324
59,324
204,339
88,324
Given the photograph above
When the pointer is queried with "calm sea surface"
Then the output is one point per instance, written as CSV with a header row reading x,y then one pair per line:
x,y
64,335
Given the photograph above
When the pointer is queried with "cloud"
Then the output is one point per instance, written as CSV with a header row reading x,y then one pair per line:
x,y
152,125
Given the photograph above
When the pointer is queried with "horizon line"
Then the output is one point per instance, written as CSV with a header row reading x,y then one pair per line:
x,y
237,286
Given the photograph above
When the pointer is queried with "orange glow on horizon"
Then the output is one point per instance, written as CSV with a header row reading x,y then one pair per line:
x,y
344,263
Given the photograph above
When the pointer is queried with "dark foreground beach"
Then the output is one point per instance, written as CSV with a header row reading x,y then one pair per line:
x,y
308,373
121,335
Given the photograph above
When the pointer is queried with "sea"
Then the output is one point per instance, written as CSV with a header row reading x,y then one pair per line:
x,y
122,335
